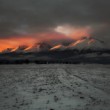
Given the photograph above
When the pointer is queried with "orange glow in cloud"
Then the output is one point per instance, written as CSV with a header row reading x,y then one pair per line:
x,y
59,33
78,34
74,32
14,42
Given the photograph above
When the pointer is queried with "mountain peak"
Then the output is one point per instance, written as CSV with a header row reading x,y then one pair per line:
x,y
38,47
87,43
58,47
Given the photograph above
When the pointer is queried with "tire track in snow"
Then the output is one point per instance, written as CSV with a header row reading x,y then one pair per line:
x,y
87,82
83,86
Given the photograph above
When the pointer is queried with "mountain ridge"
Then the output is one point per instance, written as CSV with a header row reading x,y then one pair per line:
x,y
84,43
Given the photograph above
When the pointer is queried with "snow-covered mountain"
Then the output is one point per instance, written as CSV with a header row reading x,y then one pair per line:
x,y
88,43
84,43
16,49
8,50
20,48
59,47
39,47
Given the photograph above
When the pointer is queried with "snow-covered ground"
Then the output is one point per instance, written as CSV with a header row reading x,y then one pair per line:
x,y
54,87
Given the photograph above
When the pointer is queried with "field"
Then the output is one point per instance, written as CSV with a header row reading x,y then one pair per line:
x,y
55,87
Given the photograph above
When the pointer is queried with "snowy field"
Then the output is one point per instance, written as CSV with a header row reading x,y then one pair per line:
x,y
54,87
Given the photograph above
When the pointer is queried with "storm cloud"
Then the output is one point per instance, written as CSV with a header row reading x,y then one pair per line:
x,y
31,16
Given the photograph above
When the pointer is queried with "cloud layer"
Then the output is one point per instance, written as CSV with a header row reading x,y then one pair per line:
x,y
32,16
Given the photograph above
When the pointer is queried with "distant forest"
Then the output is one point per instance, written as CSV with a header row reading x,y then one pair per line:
x,y
57,57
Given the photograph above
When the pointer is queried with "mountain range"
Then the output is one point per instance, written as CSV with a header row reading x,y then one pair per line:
x,y
81,44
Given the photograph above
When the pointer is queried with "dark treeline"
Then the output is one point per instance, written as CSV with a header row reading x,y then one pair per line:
x,y
57,52
95,60
56,57
37,62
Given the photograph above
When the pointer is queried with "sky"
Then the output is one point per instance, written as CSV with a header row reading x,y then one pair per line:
x,y
31,21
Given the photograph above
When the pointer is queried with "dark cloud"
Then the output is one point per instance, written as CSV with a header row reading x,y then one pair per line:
x,y
28,16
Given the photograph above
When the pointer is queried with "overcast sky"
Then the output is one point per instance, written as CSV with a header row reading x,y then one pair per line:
x,y
32,16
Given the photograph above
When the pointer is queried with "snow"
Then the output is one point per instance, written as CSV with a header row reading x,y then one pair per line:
x,y
58,47
80,44
88,43
54,87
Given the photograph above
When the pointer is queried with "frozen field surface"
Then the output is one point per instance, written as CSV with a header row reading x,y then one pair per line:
x,y
54,87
